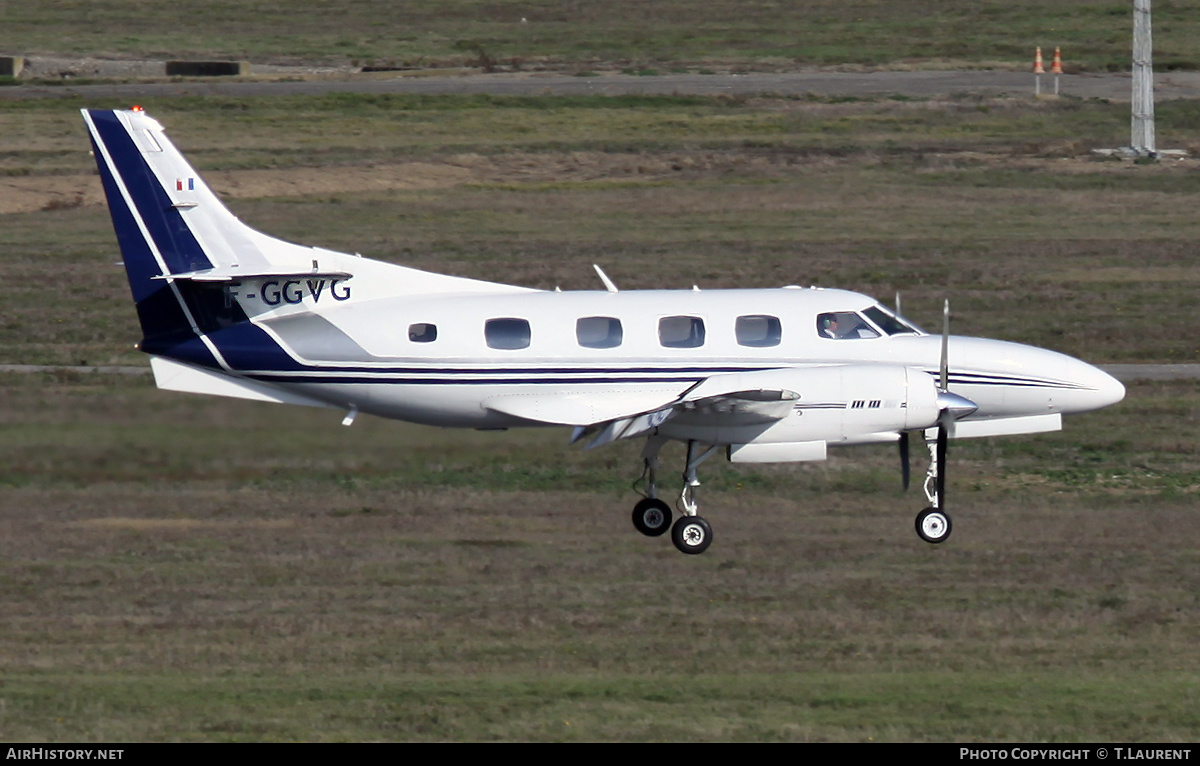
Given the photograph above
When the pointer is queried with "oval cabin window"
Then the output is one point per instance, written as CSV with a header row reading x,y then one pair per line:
x,y
598,332
508,334
758,331
681,332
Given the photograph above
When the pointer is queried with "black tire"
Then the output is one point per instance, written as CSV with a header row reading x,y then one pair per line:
x,y
652,517
933,526
691,535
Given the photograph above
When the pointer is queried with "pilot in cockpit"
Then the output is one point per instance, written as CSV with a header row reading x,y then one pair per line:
x,y
828,325
844,324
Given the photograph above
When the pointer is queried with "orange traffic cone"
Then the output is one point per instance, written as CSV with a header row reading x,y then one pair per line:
x,y
1037,63
1056,66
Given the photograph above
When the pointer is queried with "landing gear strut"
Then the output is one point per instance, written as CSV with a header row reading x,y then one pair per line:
x,y
651,516
933,523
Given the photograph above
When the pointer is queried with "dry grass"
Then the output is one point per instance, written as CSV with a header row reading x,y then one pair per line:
x,y
185,568
176,567
626,34
940,199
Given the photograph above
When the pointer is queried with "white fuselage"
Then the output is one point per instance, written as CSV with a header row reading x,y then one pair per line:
x,y
366,355
231,311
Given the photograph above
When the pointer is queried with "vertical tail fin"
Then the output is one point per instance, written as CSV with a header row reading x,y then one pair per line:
x,y
155,242
171,227
183,248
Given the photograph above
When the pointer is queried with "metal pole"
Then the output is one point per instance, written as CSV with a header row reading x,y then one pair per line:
x,y
1142,122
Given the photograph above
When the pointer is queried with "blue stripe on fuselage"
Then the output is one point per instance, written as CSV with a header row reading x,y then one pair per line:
x,y
431,376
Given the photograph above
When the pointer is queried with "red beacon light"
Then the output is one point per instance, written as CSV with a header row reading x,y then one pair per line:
x,y
136,108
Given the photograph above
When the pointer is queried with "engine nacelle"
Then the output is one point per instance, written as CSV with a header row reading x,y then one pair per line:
x,y
836,405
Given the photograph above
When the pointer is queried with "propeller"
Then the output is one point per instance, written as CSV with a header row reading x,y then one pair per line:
x,y
945,423
951,407
944,365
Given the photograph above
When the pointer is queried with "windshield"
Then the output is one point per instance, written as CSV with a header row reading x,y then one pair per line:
x,y
890,323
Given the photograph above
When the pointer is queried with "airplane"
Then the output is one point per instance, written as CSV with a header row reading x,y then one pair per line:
x,y
764,375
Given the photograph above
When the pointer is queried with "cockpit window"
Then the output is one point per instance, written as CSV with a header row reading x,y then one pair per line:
x,y
843,325
889,323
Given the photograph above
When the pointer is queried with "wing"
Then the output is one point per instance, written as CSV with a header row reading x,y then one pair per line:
x,y
733,399
586,408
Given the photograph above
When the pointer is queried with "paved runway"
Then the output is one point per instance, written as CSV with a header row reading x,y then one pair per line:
x,y
919,84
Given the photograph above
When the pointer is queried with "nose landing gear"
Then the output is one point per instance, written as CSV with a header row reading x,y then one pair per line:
x,y
933,523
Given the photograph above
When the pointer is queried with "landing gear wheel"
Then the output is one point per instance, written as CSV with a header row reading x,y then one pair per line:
x,y
651,516
933,526
691,534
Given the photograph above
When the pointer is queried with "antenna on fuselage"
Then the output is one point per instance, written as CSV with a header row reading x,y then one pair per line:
x,y
608,283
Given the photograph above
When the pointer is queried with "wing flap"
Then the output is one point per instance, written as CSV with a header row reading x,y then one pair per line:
x,y
742,408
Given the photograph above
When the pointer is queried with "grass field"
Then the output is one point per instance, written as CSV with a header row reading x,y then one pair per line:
x,y
994,203
637,36
183,568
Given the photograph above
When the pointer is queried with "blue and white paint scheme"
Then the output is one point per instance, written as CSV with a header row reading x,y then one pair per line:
x,y
764,375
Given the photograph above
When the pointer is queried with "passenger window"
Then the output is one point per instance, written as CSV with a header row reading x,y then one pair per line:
x,y
422,332
681,332
758,331
842,325
598,332
507,333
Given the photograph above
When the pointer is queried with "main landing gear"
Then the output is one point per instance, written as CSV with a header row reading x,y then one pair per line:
x,y
691,534
652,517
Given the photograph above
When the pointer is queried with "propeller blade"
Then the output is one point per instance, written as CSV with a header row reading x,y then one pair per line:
x,y
905,465
944,367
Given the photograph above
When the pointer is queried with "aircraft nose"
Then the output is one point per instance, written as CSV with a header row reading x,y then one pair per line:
x,y
1108,390
1097,388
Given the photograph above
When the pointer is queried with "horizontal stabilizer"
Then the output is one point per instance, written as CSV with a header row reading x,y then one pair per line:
x,y
234,275
170,375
